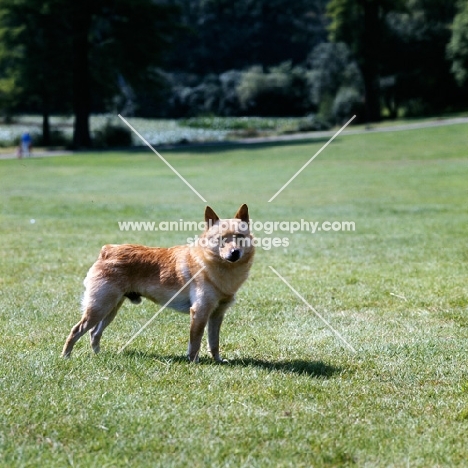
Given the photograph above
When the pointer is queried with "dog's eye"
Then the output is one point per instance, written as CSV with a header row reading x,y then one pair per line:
x,y
223,240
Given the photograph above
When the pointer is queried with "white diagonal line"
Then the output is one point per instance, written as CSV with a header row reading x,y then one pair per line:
x,y
313,310
161,158
161,309
312,158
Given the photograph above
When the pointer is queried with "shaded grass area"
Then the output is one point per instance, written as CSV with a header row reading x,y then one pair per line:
x,y
293,395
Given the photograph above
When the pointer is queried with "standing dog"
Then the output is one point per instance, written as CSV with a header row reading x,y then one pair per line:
x,y
216,266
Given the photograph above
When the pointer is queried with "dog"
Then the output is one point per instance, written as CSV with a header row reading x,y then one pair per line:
x,y
200,279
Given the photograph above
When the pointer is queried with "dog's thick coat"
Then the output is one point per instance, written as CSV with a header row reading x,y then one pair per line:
x,y
222,257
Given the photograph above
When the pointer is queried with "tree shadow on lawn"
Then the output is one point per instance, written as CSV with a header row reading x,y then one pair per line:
x,y
218,147
297,366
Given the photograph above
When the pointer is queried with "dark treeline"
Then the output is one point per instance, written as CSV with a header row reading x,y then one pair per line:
x,y
181,58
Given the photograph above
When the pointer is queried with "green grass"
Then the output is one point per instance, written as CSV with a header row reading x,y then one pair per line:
x,y
293,395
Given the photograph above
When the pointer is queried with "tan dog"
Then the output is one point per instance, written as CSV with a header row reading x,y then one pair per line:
x,y
222,257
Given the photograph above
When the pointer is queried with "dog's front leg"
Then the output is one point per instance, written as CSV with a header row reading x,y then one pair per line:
x,y
198,320
214,326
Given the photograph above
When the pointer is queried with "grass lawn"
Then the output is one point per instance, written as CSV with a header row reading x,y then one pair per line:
x,y
293,394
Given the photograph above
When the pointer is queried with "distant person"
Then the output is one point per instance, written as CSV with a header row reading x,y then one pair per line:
x,y
25,145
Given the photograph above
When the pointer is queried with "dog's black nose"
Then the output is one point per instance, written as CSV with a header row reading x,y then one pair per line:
x,y
234,255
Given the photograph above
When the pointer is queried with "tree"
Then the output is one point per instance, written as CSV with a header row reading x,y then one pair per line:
x,y
82,13
225,35
361,25
416,64
57,55
34,58
115,41
457,49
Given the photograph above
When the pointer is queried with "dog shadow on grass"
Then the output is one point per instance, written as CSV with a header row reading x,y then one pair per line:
x,y
296,366
318,369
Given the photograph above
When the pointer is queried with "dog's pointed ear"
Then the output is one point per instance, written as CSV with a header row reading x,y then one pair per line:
x,y
210,217
243,213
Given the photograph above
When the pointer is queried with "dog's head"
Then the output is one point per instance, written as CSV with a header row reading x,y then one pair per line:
x,y
228,239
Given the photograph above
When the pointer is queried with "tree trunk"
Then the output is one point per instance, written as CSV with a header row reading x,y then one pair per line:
x,y
371,50
45,127
372,93
81,79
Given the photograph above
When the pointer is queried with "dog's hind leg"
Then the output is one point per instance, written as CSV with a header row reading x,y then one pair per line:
x,y
96,332
76,333
98,303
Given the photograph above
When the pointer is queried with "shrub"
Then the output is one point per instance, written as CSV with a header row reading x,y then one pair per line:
x,y
229,104
347,102
335,82
112,135
203,98
280,91
312,123
57,138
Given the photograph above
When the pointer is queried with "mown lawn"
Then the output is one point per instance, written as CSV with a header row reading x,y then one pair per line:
x,y
293,394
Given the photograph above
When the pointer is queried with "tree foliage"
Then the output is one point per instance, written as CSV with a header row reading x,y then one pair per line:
x,y
35,59
422,82
458,46
115,42
225,34
263,57
63,56
361,25
401,52
335,82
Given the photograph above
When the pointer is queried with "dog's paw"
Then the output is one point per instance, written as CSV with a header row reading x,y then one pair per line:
x,y
220,360
194,360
